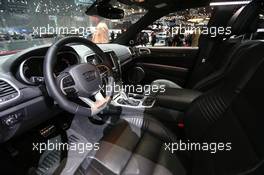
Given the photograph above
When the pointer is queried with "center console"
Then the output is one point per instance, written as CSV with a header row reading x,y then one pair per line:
x,y
173,98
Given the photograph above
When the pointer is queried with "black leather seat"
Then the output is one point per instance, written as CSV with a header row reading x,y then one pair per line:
x,y
209,74
215,54
127,149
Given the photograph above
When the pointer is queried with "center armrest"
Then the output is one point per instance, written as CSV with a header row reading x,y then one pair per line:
x,y
176,98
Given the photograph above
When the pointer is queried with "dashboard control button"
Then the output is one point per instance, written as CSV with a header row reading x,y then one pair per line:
x,y
13,118
37,80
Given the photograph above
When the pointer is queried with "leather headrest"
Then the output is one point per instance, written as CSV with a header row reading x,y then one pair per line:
x,y
221,16
245,20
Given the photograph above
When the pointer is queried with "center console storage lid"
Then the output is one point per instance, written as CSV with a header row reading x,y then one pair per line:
x,y
176,98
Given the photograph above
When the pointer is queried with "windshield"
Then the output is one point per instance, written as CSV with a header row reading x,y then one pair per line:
x,y
28,23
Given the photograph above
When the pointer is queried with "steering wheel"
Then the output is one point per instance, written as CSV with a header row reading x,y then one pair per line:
x,y
83,81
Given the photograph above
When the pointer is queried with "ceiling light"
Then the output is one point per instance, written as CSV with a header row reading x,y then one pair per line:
x,y
139,1
158,6
229,3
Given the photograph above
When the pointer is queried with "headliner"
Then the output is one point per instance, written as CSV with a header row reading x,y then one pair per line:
x,y
168,5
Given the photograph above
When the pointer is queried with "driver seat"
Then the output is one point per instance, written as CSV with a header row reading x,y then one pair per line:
x,y
231,113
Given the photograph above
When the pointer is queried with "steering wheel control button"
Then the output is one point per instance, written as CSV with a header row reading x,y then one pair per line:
x,y
70,90
68,81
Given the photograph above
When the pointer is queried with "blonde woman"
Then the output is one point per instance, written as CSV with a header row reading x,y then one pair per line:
x,y
101,35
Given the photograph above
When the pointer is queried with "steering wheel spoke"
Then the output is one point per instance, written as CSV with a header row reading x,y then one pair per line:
x,y
99,104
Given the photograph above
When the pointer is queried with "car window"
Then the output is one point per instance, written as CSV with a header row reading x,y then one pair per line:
x,y
179,29
28,23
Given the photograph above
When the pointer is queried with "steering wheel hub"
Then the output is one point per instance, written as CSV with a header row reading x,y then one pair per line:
x,y
84,78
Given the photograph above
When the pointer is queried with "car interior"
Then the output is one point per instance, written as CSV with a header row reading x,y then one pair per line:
x,y
64,93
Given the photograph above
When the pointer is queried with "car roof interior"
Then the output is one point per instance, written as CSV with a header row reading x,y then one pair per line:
x,y
167,5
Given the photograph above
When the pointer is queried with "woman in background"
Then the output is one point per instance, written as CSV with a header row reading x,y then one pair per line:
x,y
101,35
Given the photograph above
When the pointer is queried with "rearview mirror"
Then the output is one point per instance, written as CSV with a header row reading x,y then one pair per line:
x,y
108,11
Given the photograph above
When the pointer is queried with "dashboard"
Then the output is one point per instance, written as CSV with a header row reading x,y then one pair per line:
x,y
31,69
24,101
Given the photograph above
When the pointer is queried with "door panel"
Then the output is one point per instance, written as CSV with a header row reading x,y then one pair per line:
x,y
172,63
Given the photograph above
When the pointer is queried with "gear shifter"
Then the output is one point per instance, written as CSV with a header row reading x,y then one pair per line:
x,y
124,95
127,101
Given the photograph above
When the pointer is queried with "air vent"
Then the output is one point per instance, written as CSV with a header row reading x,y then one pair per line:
x,y
7,91
93,59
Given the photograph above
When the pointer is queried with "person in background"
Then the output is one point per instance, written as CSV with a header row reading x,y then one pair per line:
x,y
145,38
101,35
112,36
169,40
195,37
178,39
188,40
142,38
175,39
181,38
118,34
139,38
153,39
